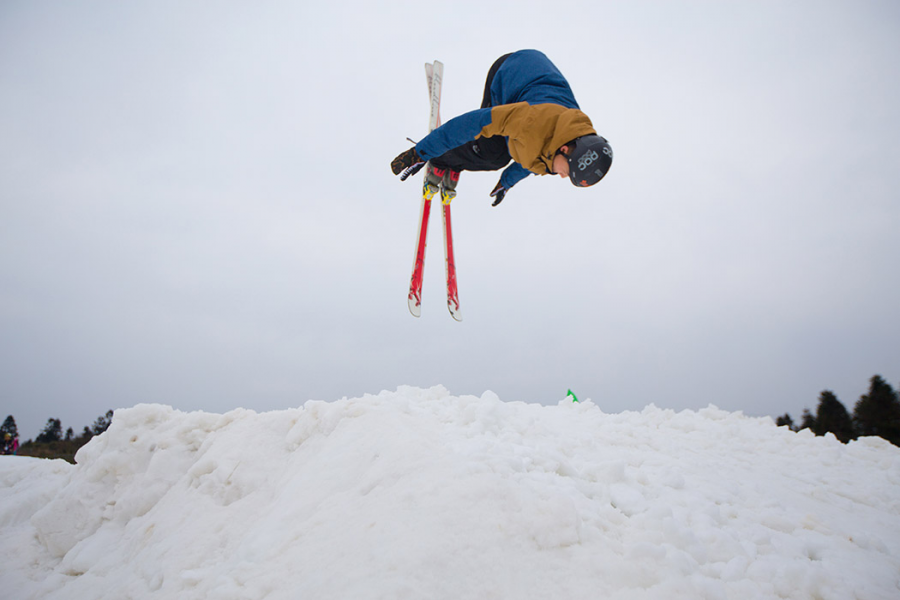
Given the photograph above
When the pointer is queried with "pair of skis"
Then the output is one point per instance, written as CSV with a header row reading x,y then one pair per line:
x,y
434,73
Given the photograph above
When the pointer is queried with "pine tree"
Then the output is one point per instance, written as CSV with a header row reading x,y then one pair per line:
x,y
807,421
831,416
878,412
102,423
785,420
52,432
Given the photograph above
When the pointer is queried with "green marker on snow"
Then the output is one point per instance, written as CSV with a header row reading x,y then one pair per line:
x,y
572,395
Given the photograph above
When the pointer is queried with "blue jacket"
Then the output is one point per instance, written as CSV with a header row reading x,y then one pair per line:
x,y
525,76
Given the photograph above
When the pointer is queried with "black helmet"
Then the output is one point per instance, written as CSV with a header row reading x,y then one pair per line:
x,y
590,158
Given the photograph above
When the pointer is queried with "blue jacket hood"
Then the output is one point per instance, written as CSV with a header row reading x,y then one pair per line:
x,y
529,76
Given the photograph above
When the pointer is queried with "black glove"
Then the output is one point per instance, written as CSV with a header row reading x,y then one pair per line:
x,y
498,193
407,163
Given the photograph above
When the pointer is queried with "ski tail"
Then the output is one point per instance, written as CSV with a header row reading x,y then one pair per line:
x,y
450,265
415,283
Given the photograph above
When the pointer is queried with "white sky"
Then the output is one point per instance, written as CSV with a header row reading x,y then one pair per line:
x,y
196,206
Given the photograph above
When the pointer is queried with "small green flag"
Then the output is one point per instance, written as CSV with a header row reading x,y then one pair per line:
x,y
572,395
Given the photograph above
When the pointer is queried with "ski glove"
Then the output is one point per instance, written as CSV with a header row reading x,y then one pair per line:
x,y
407,163
498,193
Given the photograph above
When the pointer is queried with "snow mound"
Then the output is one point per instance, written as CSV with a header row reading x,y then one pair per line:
x,y
421,494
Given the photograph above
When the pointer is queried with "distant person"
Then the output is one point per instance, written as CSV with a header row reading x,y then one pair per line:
x,y
528,115
10,443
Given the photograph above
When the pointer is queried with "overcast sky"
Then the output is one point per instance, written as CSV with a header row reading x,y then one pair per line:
x,y
196,206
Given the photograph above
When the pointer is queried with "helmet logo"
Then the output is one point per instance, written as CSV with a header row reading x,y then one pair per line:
x,y
585,160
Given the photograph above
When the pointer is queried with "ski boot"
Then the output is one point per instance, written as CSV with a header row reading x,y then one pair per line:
x,y
432,184
448,185
440,179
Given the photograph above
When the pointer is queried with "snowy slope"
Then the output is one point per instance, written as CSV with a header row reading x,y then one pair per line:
x,y
420,494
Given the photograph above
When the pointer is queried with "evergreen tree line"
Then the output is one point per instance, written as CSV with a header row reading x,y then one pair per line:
x,y
875,413
52,442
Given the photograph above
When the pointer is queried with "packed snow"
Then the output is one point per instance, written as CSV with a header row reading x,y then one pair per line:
x,y
421,494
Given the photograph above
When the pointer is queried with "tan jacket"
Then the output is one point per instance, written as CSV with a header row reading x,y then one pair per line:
x,y
537,131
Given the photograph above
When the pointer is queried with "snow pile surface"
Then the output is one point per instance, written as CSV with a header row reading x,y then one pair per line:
x,y
420,494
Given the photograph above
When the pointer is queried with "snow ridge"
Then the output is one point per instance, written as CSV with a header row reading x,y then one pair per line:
x,y
421,494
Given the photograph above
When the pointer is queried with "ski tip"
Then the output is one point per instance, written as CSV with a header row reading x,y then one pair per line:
x,y
456,314
415,309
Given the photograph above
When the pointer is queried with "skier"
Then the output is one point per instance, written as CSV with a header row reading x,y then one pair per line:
x,y
10,444
529,115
